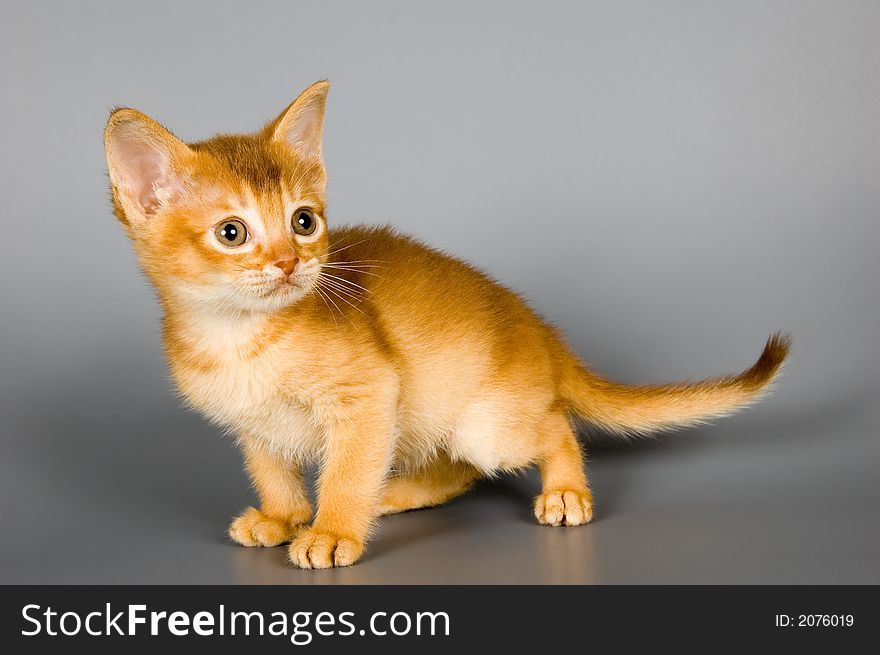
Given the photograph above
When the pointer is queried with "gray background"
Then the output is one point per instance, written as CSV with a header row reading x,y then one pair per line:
x,y
667,181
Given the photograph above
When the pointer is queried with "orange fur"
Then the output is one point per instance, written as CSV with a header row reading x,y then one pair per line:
x,y
405,373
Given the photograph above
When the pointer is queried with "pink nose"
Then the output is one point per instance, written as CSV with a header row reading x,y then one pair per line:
x,y
287,265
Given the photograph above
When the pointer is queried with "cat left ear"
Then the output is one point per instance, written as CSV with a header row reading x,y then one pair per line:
x,y
301,126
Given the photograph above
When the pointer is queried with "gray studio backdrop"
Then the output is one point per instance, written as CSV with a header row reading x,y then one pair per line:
x,y
667,181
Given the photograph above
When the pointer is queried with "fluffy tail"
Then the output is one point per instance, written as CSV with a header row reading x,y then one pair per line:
x,y
641,409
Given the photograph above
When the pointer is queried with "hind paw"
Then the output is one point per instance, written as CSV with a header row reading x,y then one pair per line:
x,y
564,508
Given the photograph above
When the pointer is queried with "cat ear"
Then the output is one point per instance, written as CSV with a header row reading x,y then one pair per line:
x,y
145,162
301,126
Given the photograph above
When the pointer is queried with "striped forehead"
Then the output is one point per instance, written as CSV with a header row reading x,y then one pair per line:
x,y
245,158
266,207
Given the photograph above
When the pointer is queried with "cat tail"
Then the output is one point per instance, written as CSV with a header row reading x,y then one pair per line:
x,y
635,410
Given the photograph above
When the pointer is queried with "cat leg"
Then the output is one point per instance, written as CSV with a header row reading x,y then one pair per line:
x,y
438,482
565,496
284,504
357,459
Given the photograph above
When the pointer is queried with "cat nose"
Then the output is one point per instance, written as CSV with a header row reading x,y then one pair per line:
x,y
287,265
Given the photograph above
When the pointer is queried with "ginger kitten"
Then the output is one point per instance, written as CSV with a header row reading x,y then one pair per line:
x,y
406,374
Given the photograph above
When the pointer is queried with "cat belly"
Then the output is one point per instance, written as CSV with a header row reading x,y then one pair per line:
x,y
491,437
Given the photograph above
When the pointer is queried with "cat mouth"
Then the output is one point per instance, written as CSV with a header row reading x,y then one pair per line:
x,y
286,286
278,289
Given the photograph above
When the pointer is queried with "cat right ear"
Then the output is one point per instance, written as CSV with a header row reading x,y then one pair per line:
x,y
145,162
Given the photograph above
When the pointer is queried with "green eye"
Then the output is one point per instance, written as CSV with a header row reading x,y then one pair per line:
x,y
231,232
303,222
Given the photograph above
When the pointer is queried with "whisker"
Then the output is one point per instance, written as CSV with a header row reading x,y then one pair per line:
x,y
344,283
356,308
341,313
324,298
363,263
349,292
342,279
357,243
359,261
332,282
353,270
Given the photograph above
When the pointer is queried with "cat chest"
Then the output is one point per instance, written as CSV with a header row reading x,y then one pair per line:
x,y
248,400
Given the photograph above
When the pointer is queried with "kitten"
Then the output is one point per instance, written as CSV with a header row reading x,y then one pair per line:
x,y
406,374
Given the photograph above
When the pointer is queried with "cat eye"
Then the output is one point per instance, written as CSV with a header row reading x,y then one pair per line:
x,y
303,222
231,232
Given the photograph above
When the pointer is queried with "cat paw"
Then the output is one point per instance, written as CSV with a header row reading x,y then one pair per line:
x,y
253,528
315,549
564,508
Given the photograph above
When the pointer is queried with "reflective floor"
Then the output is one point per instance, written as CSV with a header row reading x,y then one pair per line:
x,y
132,495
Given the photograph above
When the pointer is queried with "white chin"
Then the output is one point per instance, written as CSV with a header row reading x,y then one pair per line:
x,y
276,300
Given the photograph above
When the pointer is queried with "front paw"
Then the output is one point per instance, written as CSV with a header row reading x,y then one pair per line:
x,y
253,528
317,549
